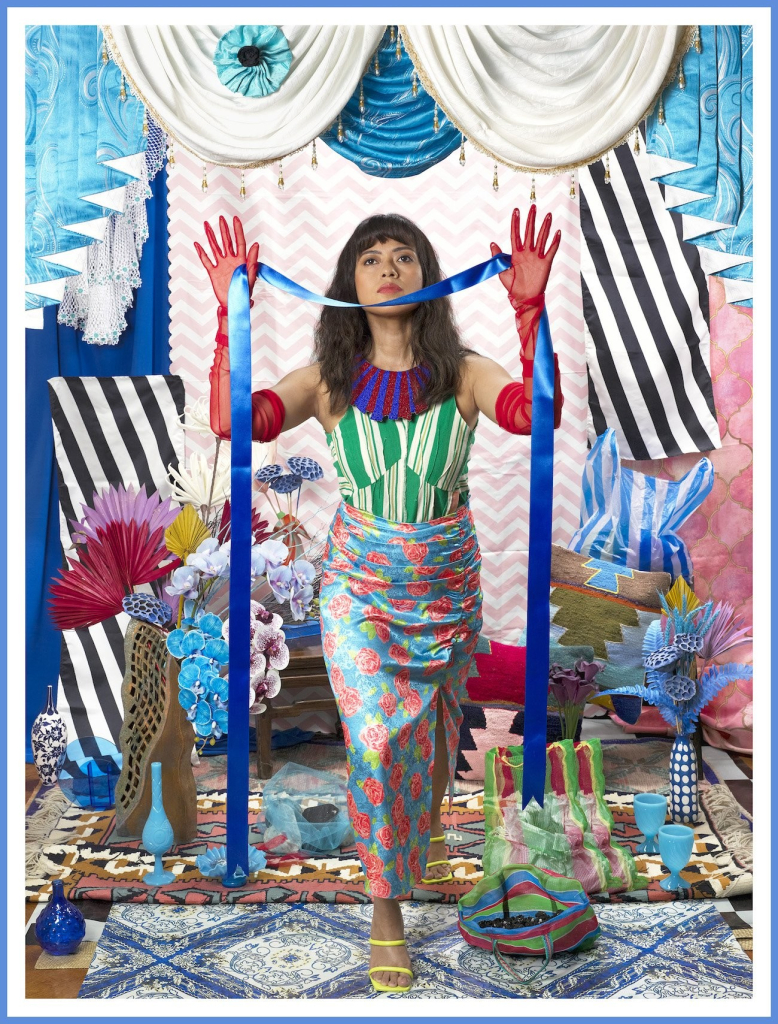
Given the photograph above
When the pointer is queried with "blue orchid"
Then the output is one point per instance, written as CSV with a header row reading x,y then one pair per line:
x,y
300,601
274,552
203,693
184,582
280,580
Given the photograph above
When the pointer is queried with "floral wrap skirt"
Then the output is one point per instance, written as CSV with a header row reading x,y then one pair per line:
x,y
400,617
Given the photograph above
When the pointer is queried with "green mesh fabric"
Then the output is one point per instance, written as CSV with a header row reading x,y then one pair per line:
x,y
571,834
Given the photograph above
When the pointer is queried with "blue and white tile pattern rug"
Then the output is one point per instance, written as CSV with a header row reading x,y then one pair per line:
x,y
679,950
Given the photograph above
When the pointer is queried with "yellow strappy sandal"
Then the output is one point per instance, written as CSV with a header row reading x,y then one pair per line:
x,y
446,878
377,985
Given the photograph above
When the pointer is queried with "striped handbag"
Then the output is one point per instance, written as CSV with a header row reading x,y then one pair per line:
x,y
523,909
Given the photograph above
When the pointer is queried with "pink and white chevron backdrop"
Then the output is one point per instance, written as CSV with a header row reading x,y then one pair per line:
x,y
301,229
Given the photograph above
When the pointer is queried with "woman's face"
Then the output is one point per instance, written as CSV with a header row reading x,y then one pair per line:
x,y
386,270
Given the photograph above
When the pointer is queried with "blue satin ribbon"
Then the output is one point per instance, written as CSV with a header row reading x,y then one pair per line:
x,y
240,580
539,574
459,282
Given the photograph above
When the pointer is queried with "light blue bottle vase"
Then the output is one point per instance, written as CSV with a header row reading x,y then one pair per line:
x,y
157,832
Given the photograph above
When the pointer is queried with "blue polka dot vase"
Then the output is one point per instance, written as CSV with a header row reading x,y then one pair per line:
x,y
684,807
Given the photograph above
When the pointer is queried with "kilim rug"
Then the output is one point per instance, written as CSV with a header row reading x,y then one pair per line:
x,y
80,850
680,950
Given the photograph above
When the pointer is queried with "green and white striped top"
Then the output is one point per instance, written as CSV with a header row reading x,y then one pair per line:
x,y
411,470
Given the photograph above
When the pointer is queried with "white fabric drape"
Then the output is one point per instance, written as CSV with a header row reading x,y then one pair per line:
x,y
547,96
171,69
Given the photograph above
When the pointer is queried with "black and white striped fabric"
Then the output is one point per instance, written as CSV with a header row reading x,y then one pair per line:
x,y
645,301
107,431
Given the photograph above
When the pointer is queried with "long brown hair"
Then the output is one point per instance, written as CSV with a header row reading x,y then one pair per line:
x,y
343,334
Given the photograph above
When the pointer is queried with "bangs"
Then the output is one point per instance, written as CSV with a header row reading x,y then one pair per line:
x,y
382,228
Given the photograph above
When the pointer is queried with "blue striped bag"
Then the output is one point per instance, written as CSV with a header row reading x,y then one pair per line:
x,y
630,518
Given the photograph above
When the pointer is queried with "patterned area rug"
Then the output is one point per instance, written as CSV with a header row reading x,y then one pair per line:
x,y
680,950
79,849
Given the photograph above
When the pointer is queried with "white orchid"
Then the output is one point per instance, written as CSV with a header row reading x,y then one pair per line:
x,y
192,485
267,685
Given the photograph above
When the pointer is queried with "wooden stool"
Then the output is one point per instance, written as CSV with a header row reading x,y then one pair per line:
x,y
306,668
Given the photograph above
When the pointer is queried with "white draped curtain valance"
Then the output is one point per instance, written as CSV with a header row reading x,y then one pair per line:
x,y
546,97
171,69
536,98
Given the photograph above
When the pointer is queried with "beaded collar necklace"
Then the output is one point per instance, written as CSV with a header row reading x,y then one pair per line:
x,y
388,394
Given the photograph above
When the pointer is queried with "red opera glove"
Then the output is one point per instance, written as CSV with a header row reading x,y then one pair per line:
x,y
267,409
513,410
530,266
234,255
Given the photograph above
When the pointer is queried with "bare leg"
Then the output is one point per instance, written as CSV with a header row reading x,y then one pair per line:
x,y
388,924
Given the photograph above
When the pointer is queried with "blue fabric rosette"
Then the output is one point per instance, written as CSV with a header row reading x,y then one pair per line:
x,y
253,60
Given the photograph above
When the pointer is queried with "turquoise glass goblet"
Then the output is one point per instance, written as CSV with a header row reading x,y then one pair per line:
x,y
676,843
650,813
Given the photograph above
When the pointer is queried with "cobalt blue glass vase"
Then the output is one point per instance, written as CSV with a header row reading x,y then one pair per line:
x,y
157,832
61,927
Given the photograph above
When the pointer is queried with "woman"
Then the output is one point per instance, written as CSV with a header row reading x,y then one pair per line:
x,y
399,396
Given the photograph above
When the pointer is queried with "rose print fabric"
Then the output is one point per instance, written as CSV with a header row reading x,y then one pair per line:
x,y
400,614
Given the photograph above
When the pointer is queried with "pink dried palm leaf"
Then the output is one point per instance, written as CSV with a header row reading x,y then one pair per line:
x,y
120,557
725,633
124,505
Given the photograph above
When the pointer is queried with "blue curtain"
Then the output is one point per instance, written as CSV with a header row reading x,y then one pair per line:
x,y
58,351
394,136
709,125
75,122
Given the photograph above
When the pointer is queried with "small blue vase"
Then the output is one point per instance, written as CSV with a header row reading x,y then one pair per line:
x,y
61,927
157,832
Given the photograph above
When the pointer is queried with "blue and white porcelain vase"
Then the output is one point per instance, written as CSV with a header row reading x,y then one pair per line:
x,y
49,741
684,805
157,832
61,927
